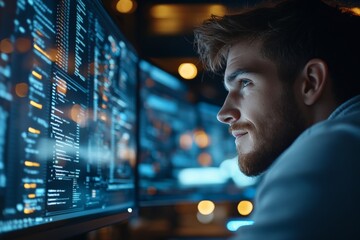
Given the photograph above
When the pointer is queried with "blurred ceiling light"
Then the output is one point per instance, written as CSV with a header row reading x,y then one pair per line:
x,y
126,6
164,11
217,9
245,207
356,11
353,10
182,10
163,17
206,207
168,26
187,71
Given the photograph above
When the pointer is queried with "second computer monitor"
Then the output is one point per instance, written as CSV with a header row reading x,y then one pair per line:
x,y
185,154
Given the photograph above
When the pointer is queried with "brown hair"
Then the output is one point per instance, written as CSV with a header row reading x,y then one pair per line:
x,y
291,32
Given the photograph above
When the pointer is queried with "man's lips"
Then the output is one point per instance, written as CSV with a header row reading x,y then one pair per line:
x,y
238,134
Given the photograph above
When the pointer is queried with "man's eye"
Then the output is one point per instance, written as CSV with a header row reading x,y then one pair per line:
x,y
244,82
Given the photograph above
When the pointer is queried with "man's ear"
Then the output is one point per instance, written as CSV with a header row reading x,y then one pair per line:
x,y
314,78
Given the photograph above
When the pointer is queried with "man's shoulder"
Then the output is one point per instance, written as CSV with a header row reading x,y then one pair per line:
x,y
317,172
339,131
348,125
328,144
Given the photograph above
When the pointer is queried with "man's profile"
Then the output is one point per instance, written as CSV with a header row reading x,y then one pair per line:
x,y
293,106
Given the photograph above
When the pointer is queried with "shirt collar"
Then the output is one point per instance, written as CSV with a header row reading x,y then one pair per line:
x,y
346,107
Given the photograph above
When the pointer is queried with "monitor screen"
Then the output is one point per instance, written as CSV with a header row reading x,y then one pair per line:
x,y
167,123
217,159
186,155
67,118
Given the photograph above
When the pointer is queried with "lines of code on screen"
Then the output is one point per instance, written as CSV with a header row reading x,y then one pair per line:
x,y
67,113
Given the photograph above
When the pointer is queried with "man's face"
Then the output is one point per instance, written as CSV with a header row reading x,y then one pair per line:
x,y
262,112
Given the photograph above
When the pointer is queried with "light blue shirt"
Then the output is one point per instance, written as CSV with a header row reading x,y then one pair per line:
x,y
312,191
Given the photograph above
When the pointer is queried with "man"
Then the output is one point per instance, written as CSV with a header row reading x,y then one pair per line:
x,y
293,106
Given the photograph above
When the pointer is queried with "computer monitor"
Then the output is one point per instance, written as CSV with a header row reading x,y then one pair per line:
x,y
218,159
167,122
68,123
186,155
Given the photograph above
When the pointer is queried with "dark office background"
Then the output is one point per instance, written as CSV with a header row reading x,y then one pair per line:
x,y
161,31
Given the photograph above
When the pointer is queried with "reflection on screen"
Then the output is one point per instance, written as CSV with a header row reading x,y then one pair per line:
x,y
67,113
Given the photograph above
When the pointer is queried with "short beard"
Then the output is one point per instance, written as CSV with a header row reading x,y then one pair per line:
x,y
273,136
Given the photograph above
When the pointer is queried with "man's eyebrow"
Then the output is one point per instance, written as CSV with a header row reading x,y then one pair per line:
x,y
236,73
232,76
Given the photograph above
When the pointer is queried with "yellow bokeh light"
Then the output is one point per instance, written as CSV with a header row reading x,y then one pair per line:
x,y
206,207
21,89
77,116
28,210
205,159
217,9
34,130
356,11
187,70
125,6
32,195
186,141
75,112
61,86
52,52
163,11
168,26
353,10
201,139
31,164
245,207
30,185
6,46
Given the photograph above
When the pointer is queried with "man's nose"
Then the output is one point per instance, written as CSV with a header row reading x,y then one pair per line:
x,y
229,112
